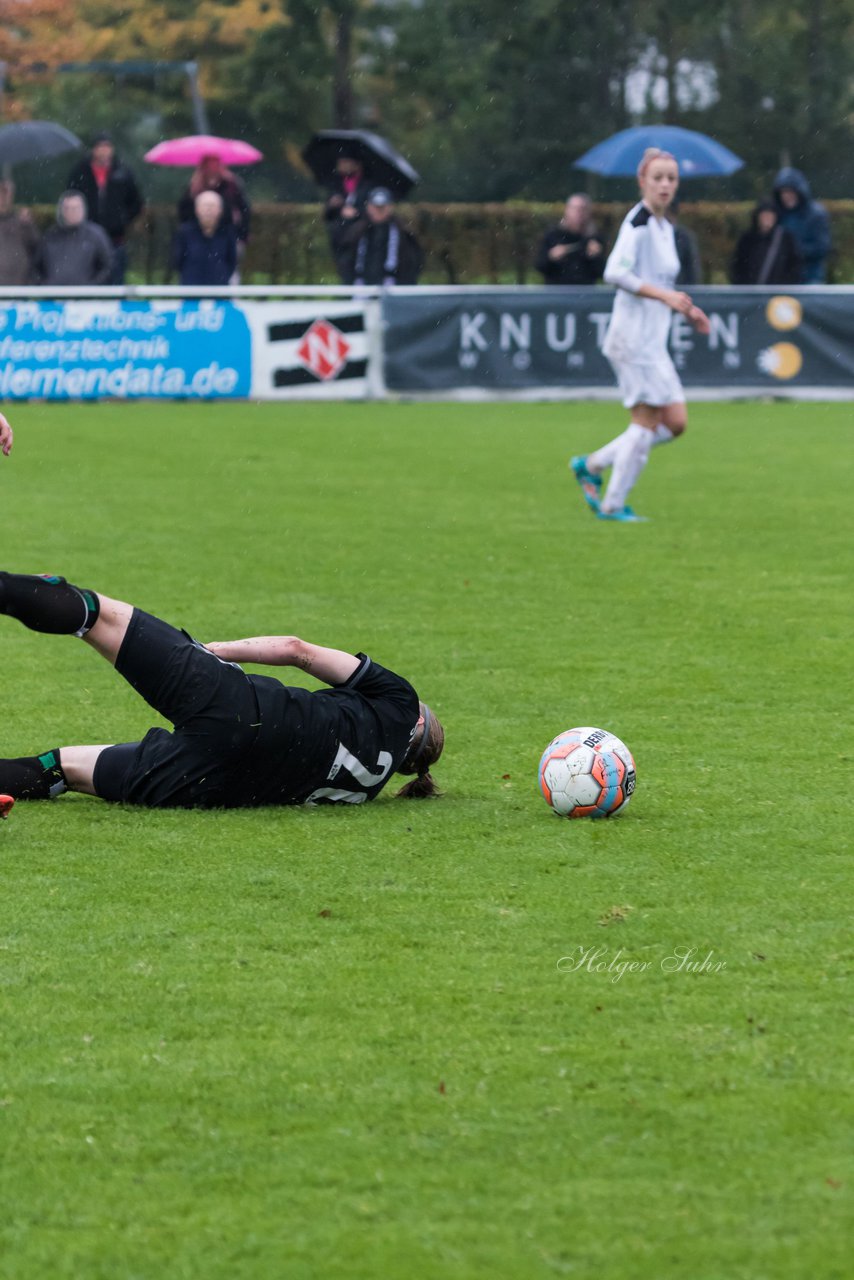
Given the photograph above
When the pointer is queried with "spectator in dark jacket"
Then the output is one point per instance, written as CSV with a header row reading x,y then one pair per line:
x,y
377,249
687,249
767,253
205,249
345,205
349,191
571,252
807,220
112,198
75,251
19,239
212,175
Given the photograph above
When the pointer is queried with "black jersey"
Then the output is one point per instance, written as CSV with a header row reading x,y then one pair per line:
x,y
338,744
244,740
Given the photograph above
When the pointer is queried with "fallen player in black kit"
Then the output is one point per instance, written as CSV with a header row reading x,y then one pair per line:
x,y
239,740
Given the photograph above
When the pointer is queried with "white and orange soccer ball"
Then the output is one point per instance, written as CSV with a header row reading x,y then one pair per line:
x,y
587,773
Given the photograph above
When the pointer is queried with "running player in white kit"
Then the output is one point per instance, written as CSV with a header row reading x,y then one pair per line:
x,y
643,265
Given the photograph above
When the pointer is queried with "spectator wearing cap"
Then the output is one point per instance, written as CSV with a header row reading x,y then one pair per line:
x,y
377,248
113,198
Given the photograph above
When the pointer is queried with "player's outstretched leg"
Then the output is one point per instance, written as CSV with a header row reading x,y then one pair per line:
x,y
50,604
44,602
33,777
49,775
589,482
631,458
169,669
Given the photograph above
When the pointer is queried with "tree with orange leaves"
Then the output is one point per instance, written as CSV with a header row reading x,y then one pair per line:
x,y
35,36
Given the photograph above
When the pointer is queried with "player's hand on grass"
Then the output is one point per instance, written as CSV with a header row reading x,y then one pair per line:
x,y
5,436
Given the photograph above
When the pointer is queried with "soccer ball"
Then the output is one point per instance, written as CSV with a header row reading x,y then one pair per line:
x,y
587,773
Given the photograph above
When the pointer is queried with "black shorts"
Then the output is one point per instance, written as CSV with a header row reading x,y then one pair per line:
x,y
212,705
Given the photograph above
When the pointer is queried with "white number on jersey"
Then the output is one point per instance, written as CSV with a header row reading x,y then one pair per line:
x,y
358,772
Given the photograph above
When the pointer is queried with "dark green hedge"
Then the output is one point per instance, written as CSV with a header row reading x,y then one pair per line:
x,y
464,243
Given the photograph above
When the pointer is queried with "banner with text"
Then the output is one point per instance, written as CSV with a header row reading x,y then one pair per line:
x,y
551,340
206,349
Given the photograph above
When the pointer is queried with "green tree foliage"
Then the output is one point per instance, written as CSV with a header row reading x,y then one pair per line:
x,y
498,98
490,99
786,89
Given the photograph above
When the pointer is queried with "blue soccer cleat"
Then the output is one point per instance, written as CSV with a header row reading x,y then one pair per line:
x,y
625,515
589,482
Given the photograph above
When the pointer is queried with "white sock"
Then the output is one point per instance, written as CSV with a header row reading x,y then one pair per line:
x,y
632,454
603,458
662,435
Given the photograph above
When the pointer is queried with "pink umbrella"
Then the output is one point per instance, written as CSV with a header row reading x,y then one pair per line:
x,y
192,150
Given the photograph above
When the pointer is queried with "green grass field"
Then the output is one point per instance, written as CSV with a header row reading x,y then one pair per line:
x,y
349,1043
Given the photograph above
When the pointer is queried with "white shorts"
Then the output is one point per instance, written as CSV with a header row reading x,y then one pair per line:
x,y
654,383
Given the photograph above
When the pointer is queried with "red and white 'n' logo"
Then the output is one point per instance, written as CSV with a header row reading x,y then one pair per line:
x,y
323,349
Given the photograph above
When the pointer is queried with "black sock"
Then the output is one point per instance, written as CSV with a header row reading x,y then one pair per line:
x,y
45,603
33,777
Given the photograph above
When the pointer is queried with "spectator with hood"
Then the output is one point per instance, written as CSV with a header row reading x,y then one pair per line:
x,y
767,252
112,198
75,251
807,220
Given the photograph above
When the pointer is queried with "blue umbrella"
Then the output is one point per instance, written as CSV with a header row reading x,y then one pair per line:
x,y
699,156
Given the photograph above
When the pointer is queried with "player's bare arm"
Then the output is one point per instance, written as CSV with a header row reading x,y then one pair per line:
x,y
5,437
332,666
678,301
673,298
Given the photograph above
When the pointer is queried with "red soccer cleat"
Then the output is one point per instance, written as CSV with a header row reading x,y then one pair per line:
x,y
6,803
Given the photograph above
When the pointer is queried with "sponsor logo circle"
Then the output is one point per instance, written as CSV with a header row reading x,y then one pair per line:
x,y
784,313
782,360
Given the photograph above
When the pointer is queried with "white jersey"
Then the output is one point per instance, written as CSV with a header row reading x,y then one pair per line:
x,y
645,253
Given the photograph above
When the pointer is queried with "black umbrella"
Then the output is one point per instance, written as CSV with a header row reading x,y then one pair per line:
x,y
383,165
35,140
